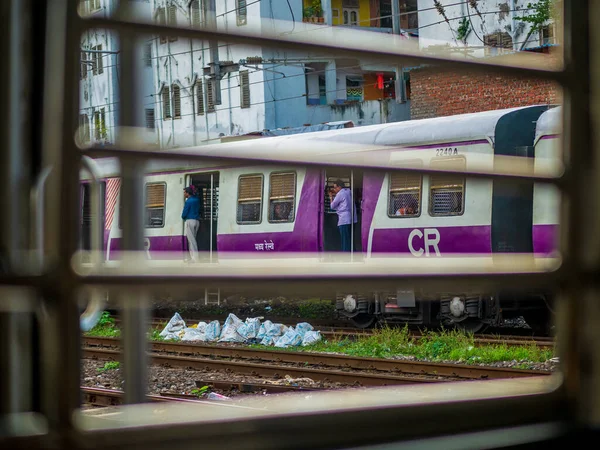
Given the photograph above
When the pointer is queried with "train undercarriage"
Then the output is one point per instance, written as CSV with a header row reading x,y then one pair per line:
x,y
471,312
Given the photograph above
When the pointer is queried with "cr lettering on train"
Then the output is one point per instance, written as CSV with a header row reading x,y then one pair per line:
x,y
430,239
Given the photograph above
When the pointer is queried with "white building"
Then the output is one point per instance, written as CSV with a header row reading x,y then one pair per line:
x,y
481,27
99,77
205,91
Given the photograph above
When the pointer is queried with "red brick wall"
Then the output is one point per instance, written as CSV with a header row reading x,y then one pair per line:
x,y
439,92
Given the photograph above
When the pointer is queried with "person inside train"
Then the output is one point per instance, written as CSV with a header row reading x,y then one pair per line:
x,y
191,218
341,202
281,211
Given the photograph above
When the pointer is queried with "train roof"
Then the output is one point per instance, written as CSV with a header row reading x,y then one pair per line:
x,y
550,122
358,145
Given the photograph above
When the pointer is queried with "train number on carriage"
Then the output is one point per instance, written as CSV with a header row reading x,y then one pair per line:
x,y
446,151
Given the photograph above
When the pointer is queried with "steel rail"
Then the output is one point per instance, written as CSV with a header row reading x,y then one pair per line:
x,y
334,376
456,371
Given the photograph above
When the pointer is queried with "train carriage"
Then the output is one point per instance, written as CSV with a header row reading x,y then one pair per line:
x,y
283,207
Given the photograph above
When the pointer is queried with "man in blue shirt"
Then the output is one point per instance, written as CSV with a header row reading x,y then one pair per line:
x,y
191,218
342,204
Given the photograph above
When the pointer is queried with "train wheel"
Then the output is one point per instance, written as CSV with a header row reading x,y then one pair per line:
x,y
363,320
470,325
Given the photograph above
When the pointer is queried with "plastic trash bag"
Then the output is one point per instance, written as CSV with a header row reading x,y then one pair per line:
x,y
277,329
170,337
291,338
193,335
201,327
264,328
175,325
213,331
230,331
310,337
303,327
252,328
268,340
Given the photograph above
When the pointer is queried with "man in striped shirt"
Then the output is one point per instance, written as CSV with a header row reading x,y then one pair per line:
x,y
341,202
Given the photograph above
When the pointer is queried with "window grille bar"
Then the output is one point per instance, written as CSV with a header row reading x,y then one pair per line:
x,y
297,159
135,313
354,48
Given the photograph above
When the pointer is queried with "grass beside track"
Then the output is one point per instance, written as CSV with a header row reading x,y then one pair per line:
x,y
445,345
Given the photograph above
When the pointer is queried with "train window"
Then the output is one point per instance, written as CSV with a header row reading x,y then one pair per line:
x,y
447,192
155,205
405,195
250,194
282,196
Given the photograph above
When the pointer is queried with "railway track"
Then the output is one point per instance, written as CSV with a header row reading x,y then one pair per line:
x,y
272,363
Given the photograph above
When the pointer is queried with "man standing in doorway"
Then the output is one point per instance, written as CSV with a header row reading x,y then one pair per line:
x,y
341,202
191,218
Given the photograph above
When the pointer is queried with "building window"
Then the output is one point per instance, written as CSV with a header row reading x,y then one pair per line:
x,y
244,89
497,43
350,12
100,125
210,97
385,12
322,90
354,90
176,101
166,102
83,66
95,5
161,18
282,196
405,195
97,63
148,54
155,205
172,20
150,119
241,12
199,98
195,13
547,35
447,192
250,194
84,128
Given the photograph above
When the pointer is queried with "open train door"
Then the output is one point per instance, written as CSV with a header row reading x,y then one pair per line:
x,y
207,187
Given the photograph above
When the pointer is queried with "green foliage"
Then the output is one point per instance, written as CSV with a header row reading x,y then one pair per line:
x,y
105,327
539,14
464,29
154,334
315,308
110,365
445,345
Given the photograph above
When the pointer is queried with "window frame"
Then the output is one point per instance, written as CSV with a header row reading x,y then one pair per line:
x,y
199,91
262,196
389,199
435,162
164,207
166,102
282,172
176,100
192,12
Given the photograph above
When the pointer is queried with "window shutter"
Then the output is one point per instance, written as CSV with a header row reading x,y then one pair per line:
x,y
172,20
244,89
155,195
176,101
148,55
162,20
250,188
84,68
150,119
199,97
241,12
401,182
166,103
210,96
283,186
100,60
195,12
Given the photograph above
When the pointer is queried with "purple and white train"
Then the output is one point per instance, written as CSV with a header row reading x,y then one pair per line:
x,y
268,209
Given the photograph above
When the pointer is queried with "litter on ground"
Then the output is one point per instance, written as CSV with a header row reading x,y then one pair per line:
x,y
250,331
